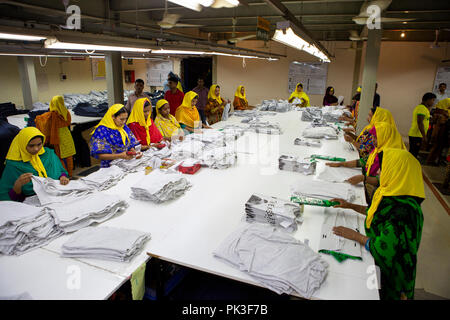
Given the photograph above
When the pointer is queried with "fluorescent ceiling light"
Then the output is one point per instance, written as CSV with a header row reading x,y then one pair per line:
x,y
162,51
24,37
55,44
193,4
288,37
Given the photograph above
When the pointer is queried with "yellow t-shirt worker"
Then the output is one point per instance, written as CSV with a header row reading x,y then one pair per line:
x,y
420,123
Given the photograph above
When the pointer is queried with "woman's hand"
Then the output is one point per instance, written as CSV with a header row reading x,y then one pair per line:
x,y
64,180
22,180
356,179
143,148
347,130
139,155
346,233
348,138
125,156
335,164
342,203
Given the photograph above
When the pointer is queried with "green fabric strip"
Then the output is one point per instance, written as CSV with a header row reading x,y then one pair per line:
x,y
339,256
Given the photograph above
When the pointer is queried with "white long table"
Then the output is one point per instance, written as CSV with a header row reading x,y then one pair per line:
x,y
187,230
19,119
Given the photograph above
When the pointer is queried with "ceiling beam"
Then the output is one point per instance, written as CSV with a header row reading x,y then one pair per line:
x,y
281,8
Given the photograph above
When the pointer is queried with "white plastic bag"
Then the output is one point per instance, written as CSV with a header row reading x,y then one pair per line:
x,y
226,110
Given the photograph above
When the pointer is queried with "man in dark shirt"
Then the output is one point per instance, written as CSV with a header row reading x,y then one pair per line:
x,y
173,95
137,94
202,92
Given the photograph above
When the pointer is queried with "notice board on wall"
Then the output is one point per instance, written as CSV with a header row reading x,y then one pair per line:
x,y
313,76
98,69
157,72
442,76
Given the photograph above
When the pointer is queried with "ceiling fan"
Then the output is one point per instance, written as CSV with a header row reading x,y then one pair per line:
x,y
233,40
383,5
170,20
354,36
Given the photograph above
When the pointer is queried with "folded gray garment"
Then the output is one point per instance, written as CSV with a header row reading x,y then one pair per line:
x,y
218,158
84,211
24,227
311,113
105,243
323,190
21,296
133,165
320,133
274,259
159,186
52,191
295,164
104,178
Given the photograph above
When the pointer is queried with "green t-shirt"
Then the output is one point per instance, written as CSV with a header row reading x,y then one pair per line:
x,y
419,110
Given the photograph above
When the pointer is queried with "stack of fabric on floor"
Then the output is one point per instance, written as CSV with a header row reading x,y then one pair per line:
x,y
52,191
328,133
331,174
292,163
159,186
104,178
105,243
24,227
274,259
274,211
84,211
323,190
340,248
218,158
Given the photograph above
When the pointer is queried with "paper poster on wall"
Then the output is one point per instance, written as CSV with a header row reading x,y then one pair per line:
x,y
157,72
98,69
442,76
313,76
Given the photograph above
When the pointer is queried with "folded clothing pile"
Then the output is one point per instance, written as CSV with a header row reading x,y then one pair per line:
x,y
210,136
307,143
160,153
105,243
266,127
84,211
187,149
24,227
159,186
331,174
233,132
50,190
323,190
274,259
340,248
319,123
218,158
277,106
292,163
277,212
104,178
133,165
320,133
311,113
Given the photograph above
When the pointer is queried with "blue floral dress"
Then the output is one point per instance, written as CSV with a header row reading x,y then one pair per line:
x,y
106,140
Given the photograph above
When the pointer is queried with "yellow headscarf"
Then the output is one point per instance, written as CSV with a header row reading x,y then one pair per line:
x,y
239,95
359,89
57,105
401,175
380,115
186,113
18,149
300,95
108,122
179,87
212,94
444,104
137,115
387,137
159,105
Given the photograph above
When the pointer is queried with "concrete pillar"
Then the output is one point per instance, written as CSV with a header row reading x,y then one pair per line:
x,y
357,69
369,75
28,80
114,77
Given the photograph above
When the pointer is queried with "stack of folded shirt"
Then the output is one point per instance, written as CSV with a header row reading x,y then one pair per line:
x,y
265,127
307,143
292,163
311,113
218,158
277,212
319,123
340,248
105,243
331,174
187,149
159,187
104,178
84,211
133,165
52,191
160,153
320,133
277,106
274,259
323,190
24,227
